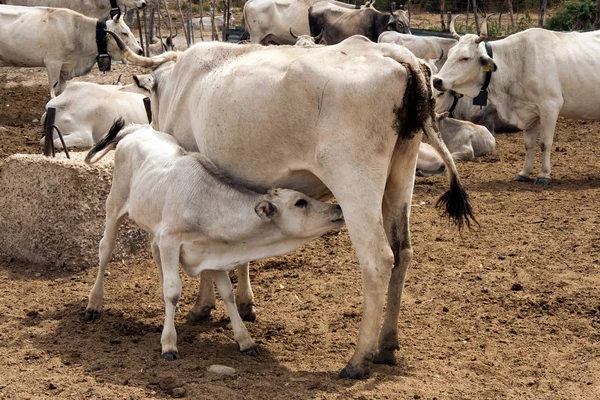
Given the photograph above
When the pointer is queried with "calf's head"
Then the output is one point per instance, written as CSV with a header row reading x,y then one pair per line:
x,y
464,71
118,26
297,215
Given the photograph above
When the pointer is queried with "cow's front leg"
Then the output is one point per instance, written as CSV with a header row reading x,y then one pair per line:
x,y
244,295
169,258
240,332
547,127
205,302
53,70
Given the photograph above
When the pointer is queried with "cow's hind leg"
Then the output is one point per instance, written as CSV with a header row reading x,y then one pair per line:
x,y
205,302
547,127
530,134
360,192
396,216
171,286
244,295
240,332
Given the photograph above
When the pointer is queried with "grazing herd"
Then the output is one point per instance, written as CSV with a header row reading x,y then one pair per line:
x,y
247,139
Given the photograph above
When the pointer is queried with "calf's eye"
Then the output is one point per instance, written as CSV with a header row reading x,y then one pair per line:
x,y
301,203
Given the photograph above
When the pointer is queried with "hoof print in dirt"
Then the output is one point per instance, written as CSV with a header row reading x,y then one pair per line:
x,y
349,372
170,355
92,315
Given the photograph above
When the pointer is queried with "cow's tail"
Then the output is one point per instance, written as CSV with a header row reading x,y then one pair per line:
x,y
455,202
150,62
108,142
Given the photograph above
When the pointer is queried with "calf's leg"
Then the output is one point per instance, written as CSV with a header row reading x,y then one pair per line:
x,y
169,260
240,332
244,294
205,301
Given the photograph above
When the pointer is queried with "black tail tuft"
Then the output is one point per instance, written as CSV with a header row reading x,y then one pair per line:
x,y
106,140
456,206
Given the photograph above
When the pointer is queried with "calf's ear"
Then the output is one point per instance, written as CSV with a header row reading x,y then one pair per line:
x,y
145,82
266,210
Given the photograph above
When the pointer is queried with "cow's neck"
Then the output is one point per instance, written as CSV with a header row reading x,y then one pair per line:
x,y
87,50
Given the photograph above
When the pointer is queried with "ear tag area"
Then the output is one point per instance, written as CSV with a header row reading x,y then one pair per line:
x,y
481,99
103,61
487,68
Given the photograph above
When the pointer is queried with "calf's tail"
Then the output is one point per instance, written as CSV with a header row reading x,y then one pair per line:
x,y
107,143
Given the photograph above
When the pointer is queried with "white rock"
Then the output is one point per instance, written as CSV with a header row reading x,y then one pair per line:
x,y
221,369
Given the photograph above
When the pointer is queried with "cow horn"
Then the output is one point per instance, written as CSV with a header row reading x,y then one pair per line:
x,y
292,33
139,60
484,31
451,27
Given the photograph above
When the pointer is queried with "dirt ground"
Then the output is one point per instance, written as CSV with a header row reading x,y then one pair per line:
x,y
508,311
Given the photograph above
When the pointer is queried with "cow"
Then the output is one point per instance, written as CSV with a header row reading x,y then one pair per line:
x,y
205,22
59,39
99,9
85,111
462,108
199,217
425,47
340,23
343,121
305,40
465,140
535,76
429,161
162,45
269,21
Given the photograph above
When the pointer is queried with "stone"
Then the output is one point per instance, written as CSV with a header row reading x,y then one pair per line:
x,y
221,370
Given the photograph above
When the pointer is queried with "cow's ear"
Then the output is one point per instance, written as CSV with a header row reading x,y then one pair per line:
x,y
145,82
266,210
488,62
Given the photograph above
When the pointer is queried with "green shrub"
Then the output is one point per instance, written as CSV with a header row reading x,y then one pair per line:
x,y
573,15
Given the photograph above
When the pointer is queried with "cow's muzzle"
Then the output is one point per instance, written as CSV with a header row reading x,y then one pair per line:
x,y
438,84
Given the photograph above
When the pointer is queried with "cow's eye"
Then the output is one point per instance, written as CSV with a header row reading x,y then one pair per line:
x,y
464,59
301,203
441,94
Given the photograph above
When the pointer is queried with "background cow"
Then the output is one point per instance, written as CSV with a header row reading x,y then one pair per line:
x,y
337,24
98,9
59,39
537,75
341,120
425,47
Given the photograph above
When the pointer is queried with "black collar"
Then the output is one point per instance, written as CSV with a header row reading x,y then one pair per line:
x,y
114,9
103,58
457,96
481,99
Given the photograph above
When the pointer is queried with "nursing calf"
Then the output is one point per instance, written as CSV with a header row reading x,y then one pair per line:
x,y
199,217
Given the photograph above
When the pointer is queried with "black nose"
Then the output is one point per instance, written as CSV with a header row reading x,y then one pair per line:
x,y
338,207
437,83
141,52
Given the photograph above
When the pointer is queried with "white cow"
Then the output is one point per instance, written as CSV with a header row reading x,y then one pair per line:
x,y
98,9
59,39
425,47
342,120
268,19
464,139
85,111
429,161
206,23
537,76
160,46
199,217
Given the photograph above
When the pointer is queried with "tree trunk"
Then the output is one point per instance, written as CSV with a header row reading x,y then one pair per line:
x,y
542,12
169,23
201,25
444,29
476,17
510,12
162,45
185,32
137,13
597,22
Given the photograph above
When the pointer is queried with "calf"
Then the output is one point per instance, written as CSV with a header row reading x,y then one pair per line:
x,y
85,111
465,140
63,41
199,217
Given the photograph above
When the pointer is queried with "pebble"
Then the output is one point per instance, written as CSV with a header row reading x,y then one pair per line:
x,y
221,369
178,392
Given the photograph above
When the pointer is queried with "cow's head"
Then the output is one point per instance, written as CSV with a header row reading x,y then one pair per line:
x,y
298,216
464,71
306,40
398,21
117,25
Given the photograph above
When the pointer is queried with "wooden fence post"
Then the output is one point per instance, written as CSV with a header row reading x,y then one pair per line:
x,y
542,12
476,16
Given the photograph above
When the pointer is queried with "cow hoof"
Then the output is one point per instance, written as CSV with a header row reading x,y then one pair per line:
x,y
252,352
201,316
247,312
349,372
542,181
170,355
521,178
385,357
92,315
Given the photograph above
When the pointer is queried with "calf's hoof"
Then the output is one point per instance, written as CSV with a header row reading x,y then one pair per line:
x,y
246,311
91,315
349,372
521,178
252,352
202,315
542,181
385,357
170,355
